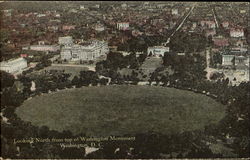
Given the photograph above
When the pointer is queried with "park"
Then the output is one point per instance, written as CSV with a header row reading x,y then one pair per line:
x,y
122,109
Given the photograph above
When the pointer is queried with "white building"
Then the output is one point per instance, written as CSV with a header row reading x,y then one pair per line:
x,y
58,15
174,11
227,60
122,26
242,60
13,66
90,51
208,24
73,11
97,6
157,50
44,48
99,28
7,12
124,6
68,40
161,6
82,7
53,28
181,54
194,25
241,74
242,11
124,53
41,15
237,33
225,24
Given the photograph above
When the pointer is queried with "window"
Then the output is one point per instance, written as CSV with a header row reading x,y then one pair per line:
x,y
74,56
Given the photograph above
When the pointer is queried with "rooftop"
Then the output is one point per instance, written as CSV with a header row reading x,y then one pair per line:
x,y
12,61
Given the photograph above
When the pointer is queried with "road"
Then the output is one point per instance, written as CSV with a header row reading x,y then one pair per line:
x,y
177,27
90,67
181,24
215,19
184,19
209,70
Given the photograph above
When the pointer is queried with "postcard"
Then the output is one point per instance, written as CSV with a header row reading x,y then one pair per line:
x,y
125,80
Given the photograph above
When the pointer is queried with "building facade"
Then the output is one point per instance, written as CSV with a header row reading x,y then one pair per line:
x,y
87,52
242,60
227,60
225,24
174,11
230,59
44,48
99,28
123,26
68,27
237,32
210,32
208,24
68,40
157,50
14,66
220,41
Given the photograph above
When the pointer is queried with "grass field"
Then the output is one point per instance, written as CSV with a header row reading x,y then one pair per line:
x,y
149,66
72,70
119,110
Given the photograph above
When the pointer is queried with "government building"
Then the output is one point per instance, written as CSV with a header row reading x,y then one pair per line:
x,y
157,51
14,66
88,51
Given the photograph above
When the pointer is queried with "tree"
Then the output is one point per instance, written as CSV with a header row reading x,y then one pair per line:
x,y
76,81
115,60
216,59
131,61
103,81
150,54
88,77
7,80
210,40
26,81
142,58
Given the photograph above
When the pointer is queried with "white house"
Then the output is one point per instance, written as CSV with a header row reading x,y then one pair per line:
x,y
13,66
157,50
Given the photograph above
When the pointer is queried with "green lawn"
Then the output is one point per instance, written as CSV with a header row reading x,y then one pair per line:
x,y
150,65
118,110
72,70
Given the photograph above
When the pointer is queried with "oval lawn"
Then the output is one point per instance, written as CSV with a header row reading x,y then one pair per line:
x,y
119,110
